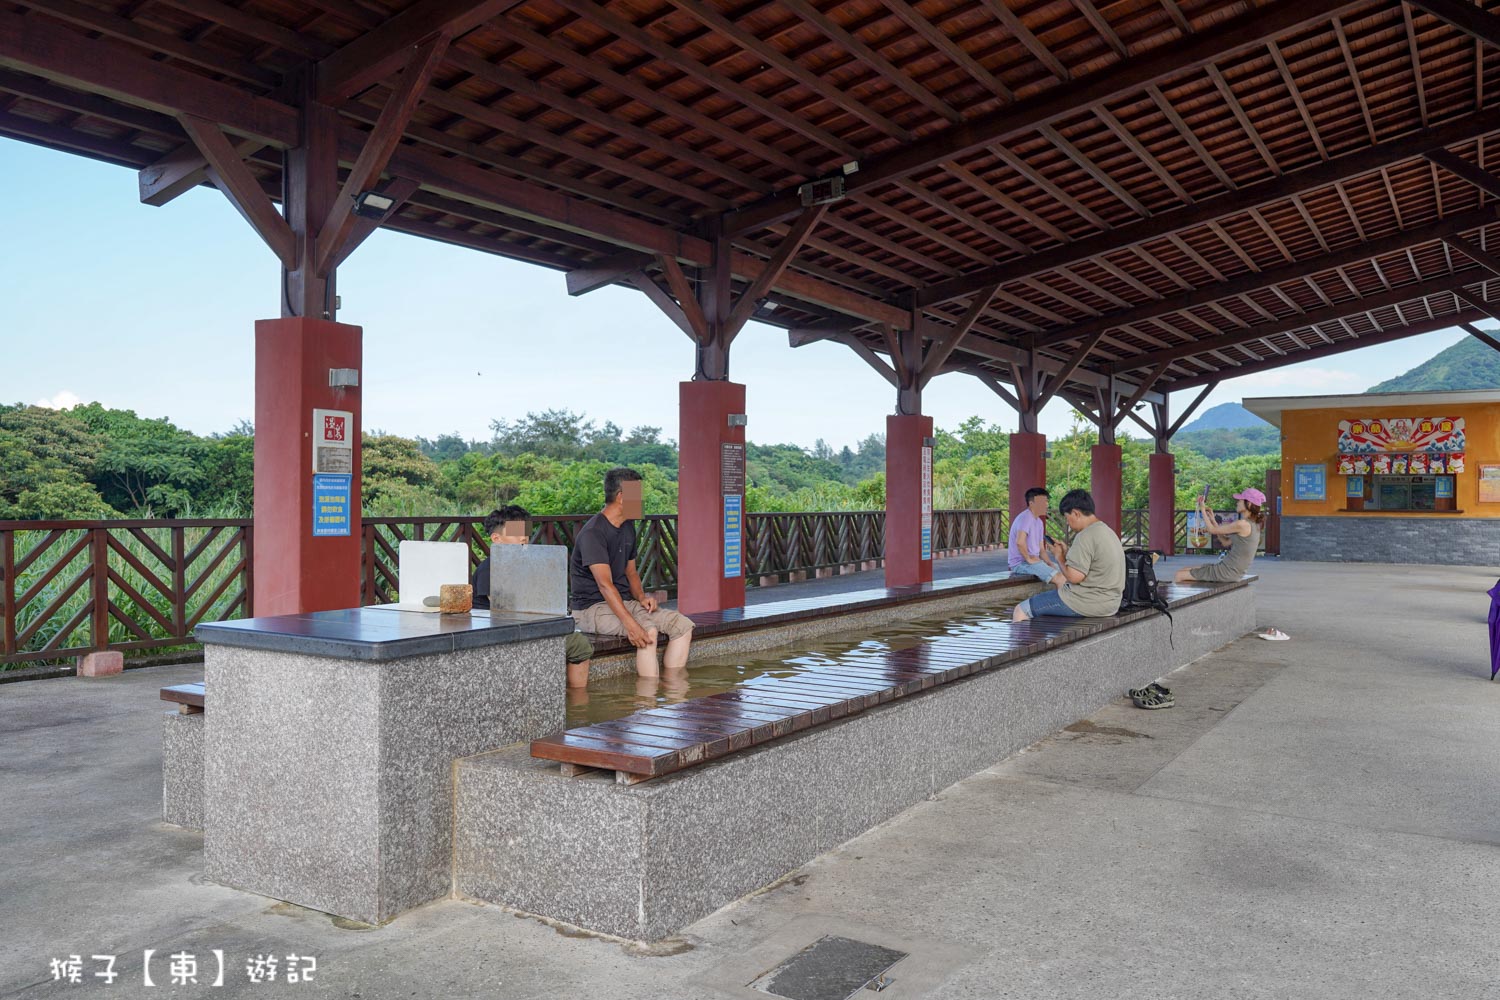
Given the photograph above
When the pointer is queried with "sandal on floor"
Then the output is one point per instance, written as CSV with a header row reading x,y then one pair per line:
x,y
1274,635
1162,690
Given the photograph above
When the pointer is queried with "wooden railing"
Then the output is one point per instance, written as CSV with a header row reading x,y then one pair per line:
x,y
70,587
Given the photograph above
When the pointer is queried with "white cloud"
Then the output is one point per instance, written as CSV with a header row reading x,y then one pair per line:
x,y
64,400
1311,380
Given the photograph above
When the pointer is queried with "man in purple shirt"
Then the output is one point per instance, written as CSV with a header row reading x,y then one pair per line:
x,y
1029,555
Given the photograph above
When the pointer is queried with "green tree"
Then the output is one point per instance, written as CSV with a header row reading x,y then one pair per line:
x,y
41,448
398,478
147,466
61,501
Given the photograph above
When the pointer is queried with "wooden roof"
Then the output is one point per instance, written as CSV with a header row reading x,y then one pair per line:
x,y
1179,189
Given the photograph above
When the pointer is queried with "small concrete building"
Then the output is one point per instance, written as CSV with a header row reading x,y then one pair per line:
x,y
1400,477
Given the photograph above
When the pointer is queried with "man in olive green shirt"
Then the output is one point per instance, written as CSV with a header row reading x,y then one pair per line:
x,y
1093,577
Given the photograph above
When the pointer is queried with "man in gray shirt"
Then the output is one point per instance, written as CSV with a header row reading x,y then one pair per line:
x,y
1093,577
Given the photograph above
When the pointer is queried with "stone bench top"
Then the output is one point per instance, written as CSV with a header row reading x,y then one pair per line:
x,y
707,624
377,634
662,740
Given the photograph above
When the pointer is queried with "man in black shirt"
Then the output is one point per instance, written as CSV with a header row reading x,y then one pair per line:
x,y
577,649
602,570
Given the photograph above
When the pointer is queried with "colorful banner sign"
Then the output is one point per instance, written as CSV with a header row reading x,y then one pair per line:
x,y
1403,434
1415,463
330,505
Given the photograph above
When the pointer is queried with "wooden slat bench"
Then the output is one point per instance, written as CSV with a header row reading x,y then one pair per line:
x,y
188,697
659,741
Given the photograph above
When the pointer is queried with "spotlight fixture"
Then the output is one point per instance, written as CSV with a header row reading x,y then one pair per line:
x,y
823,191
372,205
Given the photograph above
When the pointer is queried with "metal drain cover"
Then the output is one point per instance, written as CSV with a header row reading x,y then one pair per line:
x,y
831,968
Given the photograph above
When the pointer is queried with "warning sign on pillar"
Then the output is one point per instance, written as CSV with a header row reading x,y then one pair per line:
x,y
733,511
330,505
926,502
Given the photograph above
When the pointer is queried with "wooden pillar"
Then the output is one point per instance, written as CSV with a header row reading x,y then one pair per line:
x,y
1162,513
1104,483
908,499
710,497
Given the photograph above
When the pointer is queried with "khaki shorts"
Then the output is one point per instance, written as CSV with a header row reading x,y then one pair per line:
x,y
602,621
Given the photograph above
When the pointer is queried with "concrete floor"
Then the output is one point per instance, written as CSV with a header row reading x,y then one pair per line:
x,y
1316,818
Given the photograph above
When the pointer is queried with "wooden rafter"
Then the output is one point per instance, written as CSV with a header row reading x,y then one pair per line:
x,y
1276,189
1399,294
381,52
1200,49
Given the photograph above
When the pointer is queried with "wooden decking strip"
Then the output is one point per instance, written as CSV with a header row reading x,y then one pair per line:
x,y
710,624
658,741
188,697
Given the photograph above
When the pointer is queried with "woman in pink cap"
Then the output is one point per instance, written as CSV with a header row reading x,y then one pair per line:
x,y
1250,505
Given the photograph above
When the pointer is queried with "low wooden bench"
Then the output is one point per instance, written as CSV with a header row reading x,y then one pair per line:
x,y
188,697
659,741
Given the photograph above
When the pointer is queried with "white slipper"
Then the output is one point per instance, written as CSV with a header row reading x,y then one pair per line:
x,y
1274,635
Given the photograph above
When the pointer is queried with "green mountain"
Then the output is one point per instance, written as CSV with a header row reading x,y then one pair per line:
x,y
1224,416
1468,364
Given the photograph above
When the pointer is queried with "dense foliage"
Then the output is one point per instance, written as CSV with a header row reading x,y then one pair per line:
x,y
94,462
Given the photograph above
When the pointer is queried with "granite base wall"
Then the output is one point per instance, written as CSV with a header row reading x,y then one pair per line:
x,y
643,861
757,639
328,782
182,739
1446,539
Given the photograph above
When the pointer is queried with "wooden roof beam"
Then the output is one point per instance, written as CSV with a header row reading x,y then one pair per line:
x,y
377,54
1232,36
1404,293
378,147
1336,347
1271,277
1466,171
1465,16
47,49
1330,172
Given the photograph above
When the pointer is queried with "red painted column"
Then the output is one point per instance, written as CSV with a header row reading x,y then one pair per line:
x,y
1028,467
905,437
1163,501
703,430
295,571
1104,483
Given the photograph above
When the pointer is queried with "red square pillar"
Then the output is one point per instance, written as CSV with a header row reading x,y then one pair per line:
x,y
1163,501
908,500
305,559
1028,467
710,497
1104,483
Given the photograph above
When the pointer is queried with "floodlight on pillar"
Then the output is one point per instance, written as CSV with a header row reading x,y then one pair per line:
x,y
373,205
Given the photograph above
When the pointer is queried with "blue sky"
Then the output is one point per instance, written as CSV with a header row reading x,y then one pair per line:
x,y
153,309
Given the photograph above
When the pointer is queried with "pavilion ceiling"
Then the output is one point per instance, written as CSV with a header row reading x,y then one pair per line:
x,y
1182,190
